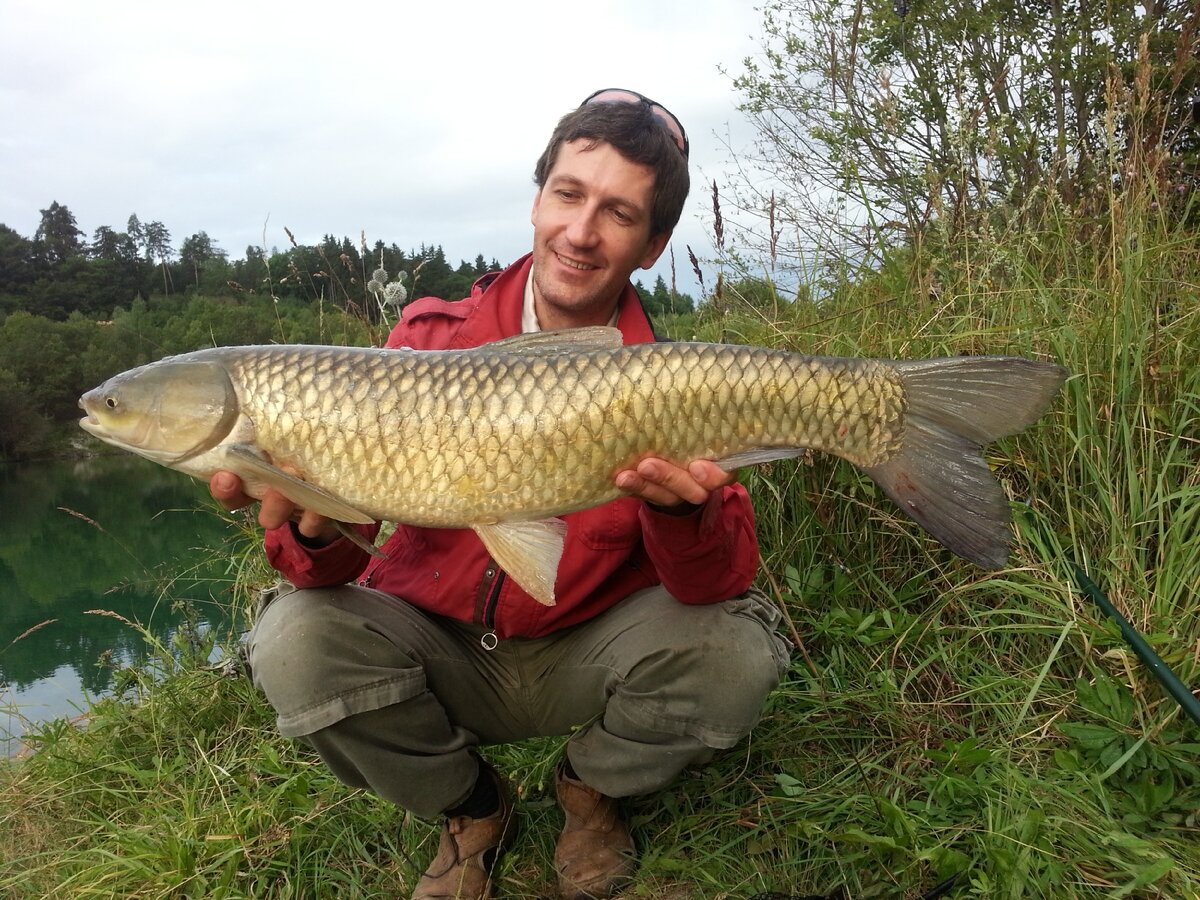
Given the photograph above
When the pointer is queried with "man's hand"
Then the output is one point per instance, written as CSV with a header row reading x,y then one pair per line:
x,y
276,510
665,484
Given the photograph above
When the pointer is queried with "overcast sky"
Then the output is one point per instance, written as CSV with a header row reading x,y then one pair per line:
x,y
414,122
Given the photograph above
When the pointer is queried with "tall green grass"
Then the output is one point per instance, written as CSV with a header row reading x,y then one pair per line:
x,y
938,720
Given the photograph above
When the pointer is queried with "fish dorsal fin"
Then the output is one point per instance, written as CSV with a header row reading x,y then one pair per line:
x,y
244,462
539,343
529,552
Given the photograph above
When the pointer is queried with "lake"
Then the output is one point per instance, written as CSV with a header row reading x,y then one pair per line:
x,y
113,533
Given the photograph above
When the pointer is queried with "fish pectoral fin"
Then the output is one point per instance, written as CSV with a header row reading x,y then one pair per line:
x,y
358,540
529,552
548,343
758,455
245,462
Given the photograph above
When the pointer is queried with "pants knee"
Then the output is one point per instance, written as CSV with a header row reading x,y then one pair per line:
x,y
713,679
309,646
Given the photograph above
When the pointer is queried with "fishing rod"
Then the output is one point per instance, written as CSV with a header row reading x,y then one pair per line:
x,y
1051,546
1167,678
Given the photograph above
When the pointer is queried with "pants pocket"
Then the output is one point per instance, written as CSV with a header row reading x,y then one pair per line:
x,y
756,606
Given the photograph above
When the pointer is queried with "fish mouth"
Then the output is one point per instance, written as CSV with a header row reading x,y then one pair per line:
x,y
91,422
88,420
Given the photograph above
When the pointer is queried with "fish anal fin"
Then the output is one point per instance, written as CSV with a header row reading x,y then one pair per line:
x,y
529,552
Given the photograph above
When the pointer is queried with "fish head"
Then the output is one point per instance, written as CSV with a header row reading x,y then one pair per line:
x,y
168,411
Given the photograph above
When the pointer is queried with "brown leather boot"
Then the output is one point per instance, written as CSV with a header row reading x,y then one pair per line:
x,y
595,856
468,851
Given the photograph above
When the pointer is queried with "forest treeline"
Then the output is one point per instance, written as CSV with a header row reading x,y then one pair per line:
x,y
75,311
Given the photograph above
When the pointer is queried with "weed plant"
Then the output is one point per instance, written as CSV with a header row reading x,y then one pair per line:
x,y
937,721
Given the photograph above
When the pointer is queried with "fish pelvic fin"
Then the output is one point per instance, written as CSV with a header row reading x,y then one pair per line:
x,y
357,539
939,476
529,552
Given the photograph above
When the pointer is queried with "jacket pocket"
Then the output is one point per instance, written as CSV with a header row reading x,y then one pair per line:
x,y
403,547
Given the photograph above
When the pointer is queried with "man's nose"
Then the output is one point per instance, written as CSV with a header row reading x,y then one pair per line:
x,y
583,231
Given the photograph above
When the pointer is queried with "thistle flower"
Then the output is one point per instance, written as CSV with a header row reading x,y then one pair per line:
x,y
395,294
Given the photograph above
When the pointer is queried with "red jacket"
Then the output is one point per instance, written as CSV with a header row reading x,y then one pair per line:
x,y
611,551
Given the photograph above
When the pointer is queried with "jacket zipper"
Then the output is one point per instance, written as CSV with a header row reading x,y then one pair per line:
x,y
489,641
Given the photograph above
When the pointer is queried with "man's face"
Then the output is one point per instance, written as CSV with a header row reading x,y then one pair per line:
x,y
591,229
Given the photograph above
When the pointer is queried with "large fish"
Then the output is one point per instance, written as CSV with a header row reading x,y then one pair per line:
x,y
507,437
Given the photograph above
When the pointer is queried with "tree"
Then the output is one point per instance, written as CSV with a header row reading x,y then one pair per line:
x,y
117,246
882,115
197,251
662,301
16,257
137,234
22,429
58,237
250,273
158,247
27,342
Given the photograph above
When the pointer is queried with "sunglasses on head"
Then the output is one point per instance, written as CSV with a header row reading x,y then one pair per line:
x,y
620,95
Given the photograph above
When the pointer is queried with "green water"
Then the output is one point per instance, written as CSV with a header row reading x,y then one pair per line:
x,y
144,526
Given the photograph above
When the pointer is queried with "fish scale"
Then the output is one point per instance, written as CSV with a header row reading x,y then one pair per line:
x,y
493,433
516,433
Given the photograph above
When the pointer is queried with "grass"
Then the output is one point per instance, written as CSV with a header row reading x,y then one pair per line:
x,y
937,720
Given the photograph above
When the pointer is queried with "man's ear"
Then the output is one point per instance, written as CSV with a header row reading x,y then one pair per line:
x,y
537,199
658,243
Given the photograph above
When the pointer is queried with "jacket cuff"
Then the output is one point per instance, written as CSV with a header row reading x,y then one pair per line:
x,y
678,510
308,566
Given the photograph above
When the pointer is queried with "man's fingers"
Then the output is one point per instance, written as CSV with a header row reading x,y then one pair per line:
x,y
276,510
315,525
710,476
658,481
226,489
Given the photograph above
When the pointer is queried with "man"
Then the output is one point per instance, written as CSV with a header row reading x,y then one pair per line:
x,y
656,653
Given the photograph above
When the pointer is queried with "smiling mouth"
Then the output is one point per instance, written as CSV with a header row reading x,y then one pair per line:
x,y
575,264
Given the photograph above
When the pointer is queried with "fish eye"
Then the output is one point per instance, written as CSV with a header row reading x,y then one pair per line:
x,y
110,402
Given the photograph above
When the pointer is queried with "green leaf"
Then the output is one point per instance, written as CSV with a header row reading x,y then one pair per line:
x,y
1146,875
1090,737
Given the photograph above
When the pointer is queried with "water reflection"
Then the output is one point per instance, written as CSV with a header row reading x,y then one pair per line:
x,y
110,533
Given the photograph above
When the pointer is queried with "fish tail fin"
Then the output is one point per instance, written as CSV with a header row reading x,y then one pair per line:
x,y
939,477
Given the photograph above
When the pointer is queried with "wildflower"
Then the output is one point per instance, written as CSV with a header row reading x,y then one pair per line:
x,y
395,294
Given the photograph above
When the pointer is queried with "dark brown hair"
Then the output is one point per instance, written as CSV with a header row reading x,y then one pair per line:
x,y
638,135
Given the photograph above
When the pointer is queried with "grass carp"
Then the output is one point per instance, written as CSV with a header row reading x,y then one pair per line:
x,y
506,437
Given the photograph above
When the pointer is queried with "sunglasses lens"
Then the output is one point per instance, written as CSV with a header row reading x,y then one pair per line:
x,y
617,95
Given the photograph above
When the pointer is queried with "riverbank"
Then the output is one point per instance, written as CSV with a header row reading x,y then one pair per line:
x,y
108,533
937,720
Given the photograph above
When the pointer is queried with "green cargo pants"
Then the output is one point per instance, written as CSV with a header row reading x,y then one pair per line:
x,y
395,699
